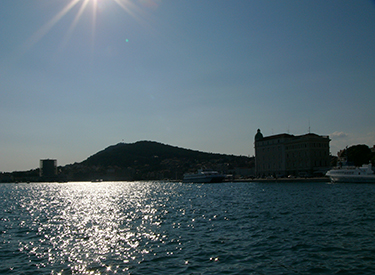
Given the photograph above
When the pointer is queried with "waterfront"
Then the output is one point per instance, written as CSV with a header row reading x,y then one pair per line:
x,y
175,228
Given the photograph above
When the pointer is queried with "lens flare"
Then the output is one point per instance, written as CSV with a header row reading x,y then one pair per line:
x,y
127,5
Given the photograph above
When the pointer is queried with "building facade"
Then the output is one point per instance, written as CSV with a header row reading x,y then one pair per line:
x,y
48,168
285,154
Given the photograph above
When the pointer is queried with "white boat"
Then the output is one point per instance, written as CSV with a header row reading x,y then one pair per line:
x,y
204,176
363,174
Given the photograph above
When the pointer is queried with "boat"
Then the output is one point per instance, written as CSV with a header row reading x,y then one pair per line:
x,y
363,174
203,176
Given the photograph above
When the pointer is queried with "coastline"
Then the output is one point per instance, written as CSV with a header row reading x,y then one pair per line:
x,y
281,180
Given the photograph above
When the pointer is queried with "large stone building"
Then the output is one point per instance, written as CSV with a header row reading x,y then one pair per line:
x,y
285,154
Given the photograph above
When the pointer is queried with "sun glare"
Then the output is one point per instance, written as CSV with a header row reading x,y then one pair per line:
x,y
127,5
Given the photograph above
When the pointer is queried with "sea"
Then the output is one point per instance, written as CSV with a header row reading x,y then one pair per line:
x,y
175,228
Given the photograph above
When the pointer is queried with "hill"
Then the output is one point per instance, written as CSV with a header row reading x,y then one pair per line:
x,y
149,160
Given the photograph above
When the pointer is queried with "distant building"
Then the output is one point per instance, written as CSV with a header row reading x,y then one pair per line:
x,y
285,154
48,168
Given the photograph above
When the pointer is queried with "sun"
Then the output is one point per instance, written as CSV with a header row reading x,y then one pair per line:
x,y
127,5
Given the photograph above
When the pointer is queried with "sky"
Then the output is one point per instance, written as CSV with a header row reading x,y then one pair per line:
x,y
77,76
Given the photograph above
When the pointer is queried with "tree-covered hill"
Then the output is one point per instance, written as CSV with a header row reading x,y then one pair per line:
x,y
124,154
149,160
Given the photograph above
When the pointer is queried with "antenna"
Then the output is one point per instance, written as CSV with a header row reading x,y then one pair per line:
x,y
309,125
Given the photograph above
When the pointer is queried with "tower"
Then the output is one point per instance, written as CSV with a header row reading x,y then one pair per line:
x,y
48,168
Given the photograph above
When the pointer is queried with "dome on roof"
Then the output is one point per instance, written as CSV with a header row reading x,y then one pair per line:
x,y
258,135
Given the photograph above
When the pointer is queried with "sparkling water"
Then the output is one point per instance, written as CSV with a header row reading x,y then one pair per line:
x,y
175,228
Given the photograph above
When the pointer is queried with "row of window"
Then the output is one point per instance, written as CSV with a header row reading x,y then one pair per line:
x,y
265,153
294,146
315,153
313,145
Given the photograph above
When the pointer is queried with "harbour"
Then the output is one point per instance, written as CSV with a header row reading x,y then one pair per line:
x,y
187,137
168,227
285,180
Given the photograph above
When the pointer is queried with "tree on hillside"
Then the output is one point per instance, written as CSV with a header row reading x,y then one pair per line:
x,y
358,154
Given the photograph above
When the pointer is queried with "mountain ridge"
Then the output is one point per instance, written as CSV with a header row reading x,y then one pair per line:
x,y
141,160
151,160
145,148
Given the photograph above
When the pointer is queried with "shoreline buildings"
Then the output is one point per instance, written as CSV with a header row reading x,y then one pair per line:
x,y
284,154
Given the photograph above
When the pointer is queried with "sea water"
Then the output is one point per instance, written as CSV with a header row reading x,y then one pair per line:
x,y
175,228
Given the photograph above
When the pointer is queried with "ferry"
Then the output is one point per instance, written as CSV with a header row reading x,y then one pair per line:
x,y
203,176
363,174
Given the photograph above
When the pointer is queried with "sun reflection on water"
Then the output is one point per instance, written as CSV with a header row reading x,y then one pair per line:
x,y
175,228
86,226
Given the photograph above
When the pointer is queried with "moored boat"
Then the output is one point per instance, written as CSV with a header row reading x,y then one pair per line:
x,y
363,174
204,176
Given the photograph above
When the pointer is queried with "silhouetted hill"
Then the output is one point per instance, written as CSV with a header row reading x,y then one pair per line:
x,y
147,160
145,152
142,160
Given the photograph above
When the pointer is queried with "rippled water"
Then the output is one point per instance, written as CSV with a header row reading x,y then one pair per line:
x,y
175,228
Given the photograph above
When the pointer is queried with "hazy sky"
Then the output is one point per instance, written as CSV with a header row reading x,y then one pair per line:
x,y
79,75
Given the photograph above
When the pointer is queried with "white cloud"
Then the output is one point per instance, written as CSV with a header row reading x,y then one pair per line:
x,y
337,135
341,140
